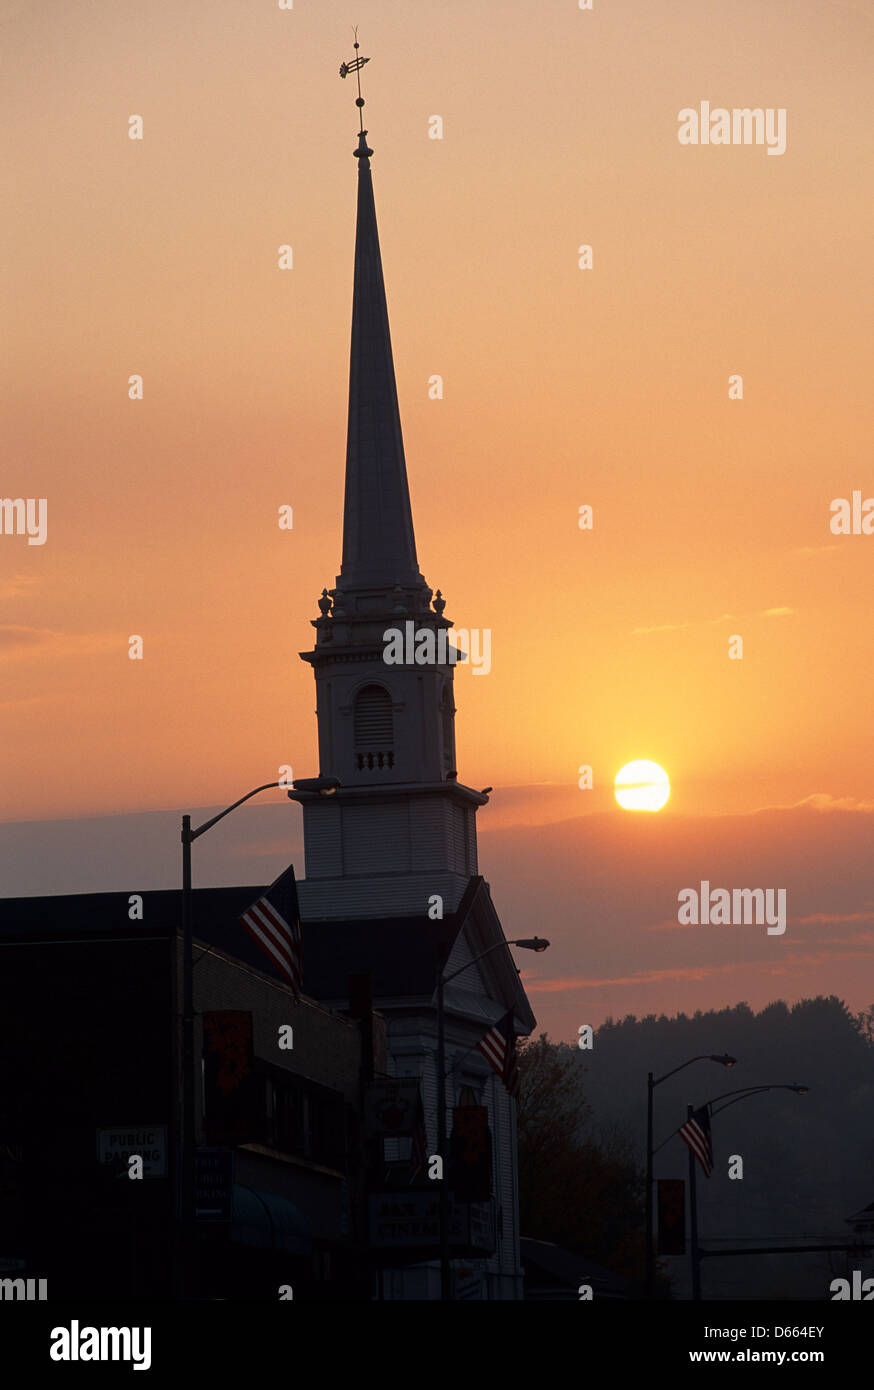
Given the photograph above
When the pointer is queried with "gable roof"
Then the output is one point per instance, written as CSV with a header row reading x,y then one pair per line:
x,y
400,953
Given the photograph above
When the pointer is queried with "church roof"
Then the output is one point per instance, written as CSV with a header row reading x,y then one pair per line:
x,y
399,953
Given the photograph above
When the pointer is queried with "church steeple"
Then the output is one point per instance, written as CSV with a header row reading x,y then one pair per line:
x,y
379,546
401,827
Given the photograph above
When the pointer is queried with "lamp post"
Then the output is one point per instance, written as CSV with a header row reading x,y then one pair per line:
x,y
743,1093
324,785
529,943
724,1060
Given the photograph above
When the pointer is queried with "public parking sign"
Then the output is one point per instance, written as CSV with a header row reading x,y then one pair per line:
x,y
149,1142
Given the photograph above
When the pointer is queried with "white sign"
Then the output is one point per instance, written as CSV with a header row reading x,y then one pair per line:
x,y
148,1141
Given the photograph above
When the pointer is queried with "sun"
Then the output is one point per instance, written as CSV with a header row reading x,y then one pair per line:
x,y
642,786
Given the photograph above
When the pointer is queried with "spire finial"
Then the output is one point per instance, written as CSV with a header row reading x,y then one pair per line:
x,y
355,66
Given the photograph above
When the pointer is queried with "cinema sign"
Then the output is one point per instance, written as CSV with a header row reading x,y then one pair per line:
x,y
411,1221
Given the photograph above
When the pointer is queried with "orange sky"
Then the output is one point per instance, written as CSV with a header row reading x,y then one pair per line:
x,y
562,387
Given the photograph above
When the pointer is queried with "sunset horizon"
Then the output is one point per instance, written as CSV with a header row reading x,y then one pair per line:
x,y
458,476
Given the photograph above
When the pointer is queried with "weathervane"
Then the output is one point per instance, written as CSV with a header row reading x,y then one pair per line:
x,y
355,66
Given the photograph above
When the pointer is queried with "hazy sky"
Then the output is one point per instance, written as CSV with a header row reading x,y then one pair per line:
x,y
562,387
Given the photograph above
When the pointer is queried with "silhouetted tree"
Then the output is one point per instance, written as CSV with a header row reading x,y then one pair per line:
x,y
578,1189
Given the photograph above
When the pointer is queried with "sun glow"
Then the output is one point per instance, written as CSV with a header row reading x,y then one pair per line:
x,y
642,786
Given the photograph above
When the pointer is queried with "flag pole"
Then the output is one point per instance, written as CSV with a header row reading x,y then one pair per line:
x,y
693,1219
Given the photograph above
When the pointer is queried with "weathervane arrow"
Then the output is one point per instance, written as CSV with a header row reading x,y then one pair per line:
x,y
355,66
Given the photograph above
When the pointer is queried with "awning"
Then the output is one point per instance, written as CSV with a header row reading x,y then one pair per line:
x,y
268,1221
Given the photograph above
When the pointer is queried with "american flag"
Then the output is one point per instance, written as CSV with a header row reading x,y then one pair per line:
x,y
696,1134
273,922
499,1049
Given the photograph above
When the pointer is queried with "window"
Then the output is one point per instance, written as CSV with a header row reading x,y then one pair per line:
x,y
373,727
307,1121
373,718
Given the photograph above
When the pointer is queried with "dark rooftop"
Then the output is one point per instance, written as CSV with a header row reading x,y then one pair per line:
x,y
399,952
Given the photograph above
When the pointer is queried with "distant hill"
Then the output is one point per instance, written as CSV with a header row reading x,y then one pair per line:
x,y
808,1160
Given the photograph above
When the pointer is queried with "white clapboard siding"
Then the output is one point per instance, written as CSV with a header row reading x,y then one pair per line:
x,y
376,844
429,832
406,895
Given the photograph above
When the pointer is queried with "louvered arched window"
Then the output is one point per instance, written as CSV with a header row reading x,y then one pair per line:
x,y
373,724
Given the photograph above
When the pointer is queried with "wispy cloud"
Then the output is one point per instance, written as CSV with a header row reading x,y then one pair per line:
x,y
640,977
678,627
816,917
824,801
14,635
17,584
20,640
781,612
782,966
26,700
857,939
663,627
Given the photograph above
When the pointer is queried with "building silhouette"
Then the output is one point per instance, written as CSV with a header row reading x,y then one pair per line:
x,y
89,1077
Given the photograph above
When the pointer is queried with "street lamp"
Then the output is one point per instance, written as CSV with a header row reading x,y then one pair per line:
x,y
326,786
528,943
743,1093
323,786
724,1060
